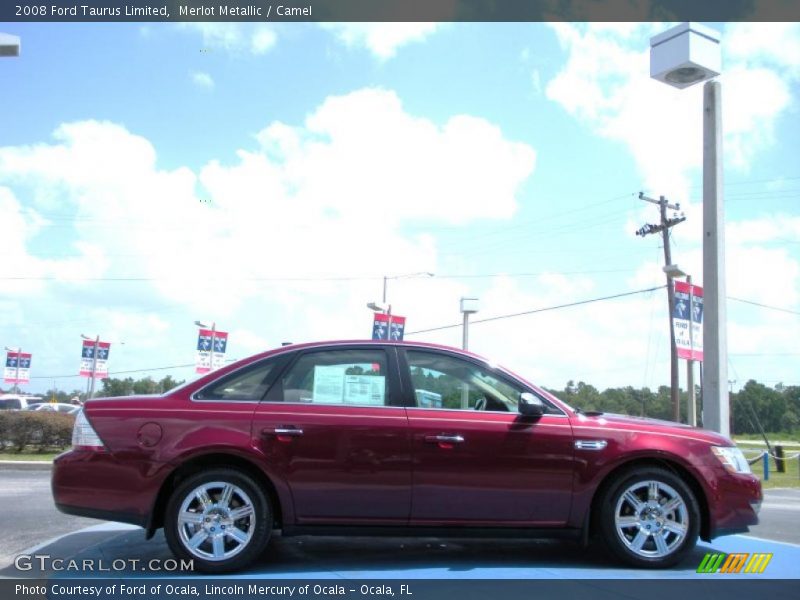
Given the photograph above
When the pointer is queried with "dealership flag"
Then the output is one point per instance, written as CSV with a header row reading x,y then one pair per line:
x,y
381,324
18,368
88,358
688,313
204,361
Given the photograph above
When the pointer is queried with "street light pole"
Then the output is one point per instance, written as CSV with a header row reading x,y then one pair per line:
x,y
716,407
683,56
692,408
94,366
16,372
211,354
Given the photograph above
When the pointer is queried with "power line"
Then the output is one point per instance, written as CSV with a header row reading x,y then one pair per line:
x,y
786,310
227,360
539,310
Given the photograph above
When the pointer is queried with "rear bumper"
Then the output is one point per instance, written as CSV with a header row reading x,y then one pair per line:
x,y
94,484
104,515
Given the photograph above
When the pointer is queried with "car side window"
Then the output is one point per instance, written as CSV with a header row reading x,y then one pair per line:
x,y
249,384
347,377
442,381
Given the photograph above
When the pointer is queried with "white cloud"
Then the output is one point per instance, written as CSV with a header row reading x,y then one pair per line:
x,y
236,38
319,199
606,85
202,80
381,39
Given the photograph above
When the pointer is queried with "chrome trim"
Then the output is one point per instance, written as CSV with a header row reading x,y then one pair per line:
x,y
591,444
469,410
446,439
600,429
287,431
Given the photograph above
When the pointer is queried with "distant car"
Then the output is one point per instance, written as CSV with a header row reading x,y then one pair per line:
x,y
402,438
18,402
60,407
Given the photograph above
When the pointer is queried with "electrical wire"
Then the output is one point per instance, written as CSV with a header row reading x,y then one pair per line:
x,y
539,310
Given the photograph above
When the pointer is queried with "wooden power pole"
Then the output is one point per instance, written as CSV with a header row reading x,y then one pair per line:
x,y
664,227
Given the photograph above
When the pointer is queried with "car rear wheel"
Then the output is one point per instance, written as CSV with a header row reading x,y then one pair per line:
x,y
221,519
649,517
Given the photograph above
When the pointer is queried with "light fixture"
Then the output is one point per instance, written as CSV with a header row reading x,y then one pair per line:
x,y
673,271
9,45
378,307
686,54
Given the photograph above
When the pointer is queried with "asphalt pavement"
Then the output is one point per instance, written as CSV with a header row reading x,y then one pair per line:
x,y
28,506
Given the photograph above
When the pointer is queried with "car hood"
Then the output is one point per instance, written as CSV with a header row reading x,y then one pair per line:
x,y
611,420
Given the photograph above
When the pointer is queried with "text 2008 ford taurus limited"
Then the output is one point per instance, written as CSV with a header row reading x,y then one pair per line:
x,y
394,438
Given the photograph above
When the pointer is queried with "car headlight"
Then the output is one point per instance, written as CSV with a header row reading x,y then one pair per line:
x,y
731,458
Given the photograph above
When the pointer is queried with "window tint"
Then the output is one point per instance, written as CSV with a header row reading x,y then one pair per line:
x,y
354,377
442,381
10,404
249,384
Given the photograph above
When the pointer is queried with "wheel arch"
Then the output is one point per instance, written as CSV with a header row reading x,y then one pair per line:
x,y
665,463
210,460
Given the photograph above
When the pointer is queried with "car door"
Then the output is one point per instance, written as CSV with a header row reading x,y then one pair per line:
x,y
476,459
333,427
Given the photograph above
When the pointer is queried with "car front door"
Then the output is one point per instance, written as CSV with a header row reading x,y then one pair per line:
x,y
334,429
476,459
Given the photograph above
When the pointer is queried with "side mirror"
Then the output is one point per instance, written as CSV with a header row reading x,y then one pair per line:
x,y
530,405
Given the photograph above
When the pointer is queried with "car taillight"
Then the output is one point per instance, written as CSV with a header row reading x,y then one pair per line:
x,y
84,435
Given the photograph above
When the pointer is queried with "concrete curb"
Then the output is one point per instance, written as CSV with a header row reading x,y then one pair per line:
x,y
27,465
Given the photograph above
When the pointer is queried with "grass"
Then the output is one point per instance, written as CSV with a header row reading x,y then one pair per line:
x,y
783,437
29,455
790,479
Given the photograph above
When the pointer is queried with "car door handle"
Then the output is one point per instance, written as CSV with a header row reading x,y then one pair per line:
x,y
444,439
283,434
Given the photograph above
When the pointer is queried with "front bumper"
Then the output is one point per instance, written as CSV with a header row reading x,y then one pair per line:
x,y
734,501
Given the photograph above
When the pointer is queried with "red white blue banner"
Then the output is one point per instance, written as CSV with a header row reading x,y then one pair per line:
x,y
91,364
389,327
688,320
18,367
211,347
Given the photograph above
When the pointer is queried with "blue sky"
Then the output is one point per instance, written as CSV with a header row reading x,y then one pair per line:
x,y
267,177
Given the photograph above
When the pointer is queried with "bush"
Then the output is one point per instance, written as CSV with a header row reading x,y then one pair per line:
x,y
20,429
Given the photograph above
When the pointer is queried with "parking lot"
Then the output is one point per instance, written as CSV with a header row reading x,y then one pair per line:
x,y
39,529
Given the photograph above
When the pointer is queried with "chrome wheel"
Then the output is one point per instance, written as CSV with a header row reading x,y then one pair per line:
x,y
651,519
216,521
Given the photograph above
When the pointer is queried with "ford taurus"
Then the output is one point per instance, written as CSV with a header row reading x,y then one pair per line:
x,y
376,438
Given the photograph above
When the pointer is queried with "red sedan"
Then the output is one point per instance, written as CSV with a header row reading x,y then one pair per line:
x,y
376,438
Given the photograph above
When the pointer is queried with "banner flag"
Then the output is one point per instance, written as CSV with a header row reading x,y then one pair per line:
x,y
88,360
380,327
18,368
204,361
688,320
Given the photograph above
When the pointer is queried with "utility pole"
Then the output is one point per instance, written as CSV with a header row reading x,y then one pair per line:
x,y
664,227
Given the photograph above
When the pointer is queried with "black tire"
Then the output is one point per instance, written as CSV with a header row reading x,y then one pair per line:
x,y
230,543
637,543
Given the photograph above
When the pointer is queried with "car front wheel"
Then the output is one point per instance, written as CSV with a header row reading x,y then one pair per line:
x,y
220,519
649,517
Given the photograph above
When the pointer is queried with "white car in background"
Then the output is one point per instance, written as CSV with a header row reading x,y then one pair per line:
x,y
18,402
61,407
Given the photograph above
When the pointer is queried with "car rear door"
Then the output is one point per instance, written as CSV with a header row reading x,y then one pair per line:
x,y
478,461
334,429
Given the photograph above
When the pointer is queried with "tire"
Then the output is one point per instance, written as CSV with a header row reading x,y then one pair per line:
x,y
649,517
219,534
